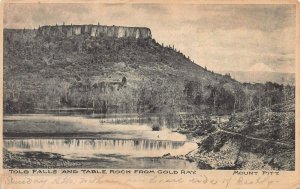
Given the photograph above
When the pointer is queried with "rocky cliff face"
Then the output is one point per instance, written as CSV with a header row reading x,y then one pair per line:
x,y
96,30
19,34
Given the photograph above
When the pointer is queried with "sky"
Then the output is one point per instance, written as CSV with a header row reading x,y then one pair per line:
x,y
220,37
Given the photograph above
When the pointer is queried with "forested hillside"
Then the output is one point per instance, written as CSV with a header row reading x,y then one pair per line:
x,y
119,75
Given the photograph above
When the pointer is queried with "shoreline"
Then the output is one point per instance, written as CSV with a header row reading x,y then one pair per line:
x,y
45,160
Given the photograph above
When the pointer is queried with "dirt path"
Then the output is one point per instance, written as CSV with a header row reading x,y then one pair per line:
x,y
253,138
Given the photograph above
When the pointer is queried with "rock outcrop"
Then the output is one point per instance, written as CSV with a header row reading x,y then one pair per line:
x,y
96,30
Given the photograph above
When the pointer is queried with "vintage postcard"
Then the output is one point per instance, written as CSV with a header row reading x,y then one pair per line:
x,y
150,94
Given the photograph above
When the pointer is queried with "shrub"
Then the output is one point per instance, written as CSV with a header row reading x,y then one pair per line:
x,y
155,127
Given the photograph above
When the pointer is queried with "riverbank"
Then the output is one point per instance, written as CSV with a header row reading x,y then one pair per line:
x,y
223,152
36,160
222,147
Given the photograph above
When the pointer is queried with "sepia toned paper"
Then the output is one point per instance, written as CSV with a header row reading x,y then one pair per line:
x,y
150,94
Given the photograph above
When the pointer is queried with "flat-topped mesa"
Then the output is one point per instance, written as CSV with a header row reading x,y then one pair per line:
x,y
96,30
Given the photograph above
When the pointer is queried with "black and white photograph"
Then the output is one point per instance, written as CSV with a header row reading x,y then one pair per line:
x,y
149,86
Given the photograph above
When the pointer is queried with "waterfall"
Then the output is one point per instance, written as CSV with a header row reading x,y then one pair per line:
x,y
133,147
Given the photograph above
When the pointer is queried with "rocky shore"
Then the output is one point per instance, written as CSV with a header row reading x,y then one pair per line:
x,y
243,142
226,152
31,160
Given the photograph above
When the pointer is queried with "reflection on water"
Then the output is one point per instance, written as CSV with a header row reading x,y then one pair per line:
x,y
59,125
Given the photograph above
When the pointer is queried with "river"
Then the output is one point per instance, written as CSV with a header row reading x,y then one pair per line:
x,y
98,142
